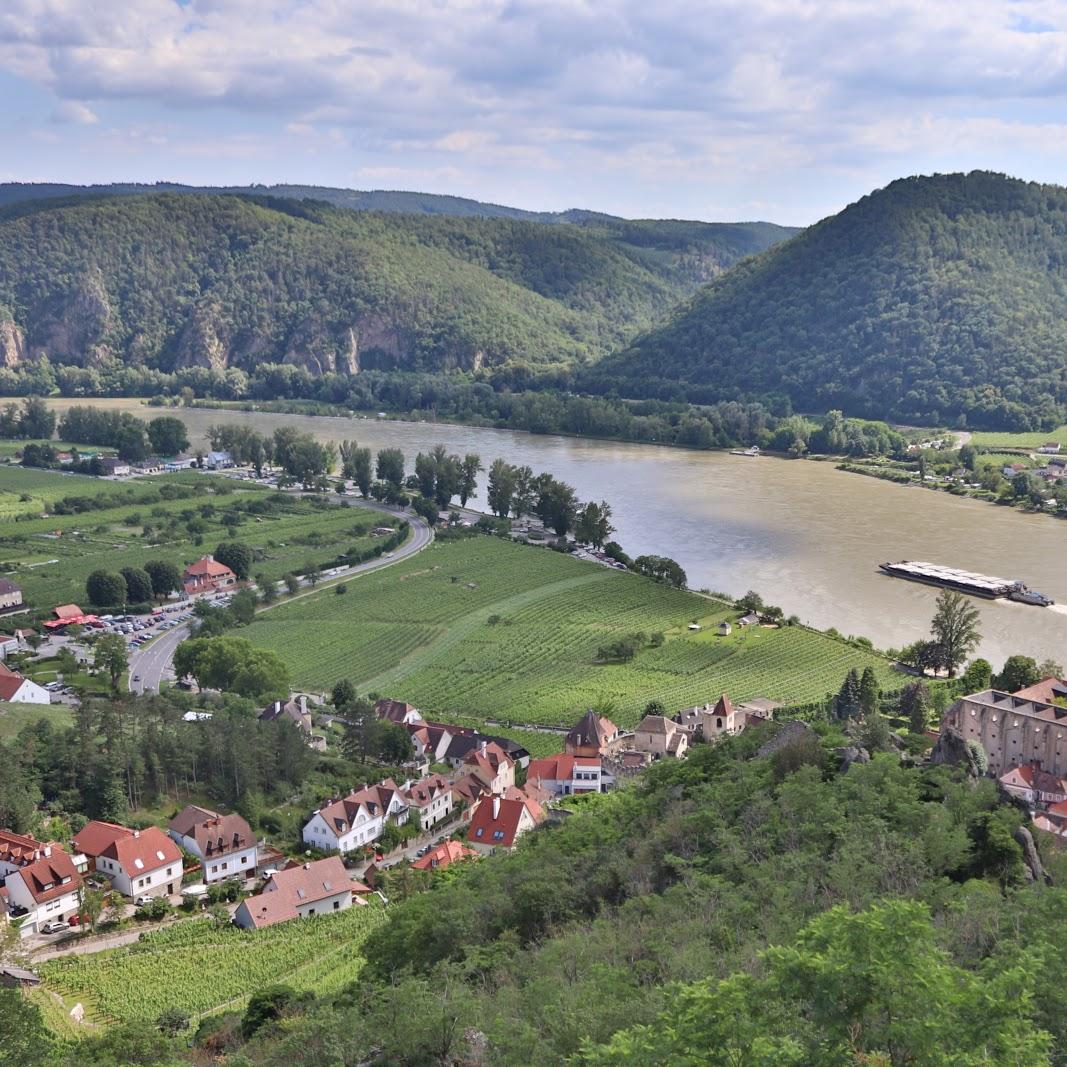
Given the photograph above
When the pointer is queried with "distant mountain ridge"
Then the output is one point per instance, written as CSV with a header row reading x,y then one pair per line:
x,y
231,281
935,299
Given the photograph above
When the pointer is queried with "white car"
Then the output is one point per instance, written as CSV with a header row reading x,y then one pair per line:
x,y
55,927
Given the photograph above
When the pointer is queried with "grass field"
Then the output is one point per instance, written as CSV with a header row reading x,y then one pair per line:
x,y
53,556
485,629
200,967
13,717
995,439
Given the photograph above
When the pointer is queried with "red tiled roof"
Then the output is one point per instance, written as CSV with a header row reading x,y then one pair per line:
x,y
214,834
18,849
144,850
502,828
207,567
393,710
489,760
295,887
340,814
10,684
67,611
559,768
445,853
723,706
94,837
51,876
427,790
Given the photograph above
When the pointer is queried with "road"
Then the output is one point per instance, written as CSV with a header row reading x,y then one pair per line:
x,y
152,664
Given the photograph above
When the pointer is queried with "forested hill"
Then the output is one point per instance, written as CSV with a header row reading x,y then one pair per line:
x,y
169,280
934,299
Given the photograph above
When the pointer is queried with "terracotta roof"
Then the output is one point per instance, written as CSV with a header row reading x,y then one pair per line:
x,y
592,730
502,828
67,611
341,814
18,849
427,790
213,833
208,567
468,788
655,724
296,887
394,710
723,706
558,768
10,684
1032,777
144,850
488,761
445,853
51,876
96,836
1047,690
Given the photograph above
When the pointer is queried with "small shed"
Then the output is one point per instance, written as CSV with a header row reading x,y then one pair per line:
x,y
17,977
725,629
751,619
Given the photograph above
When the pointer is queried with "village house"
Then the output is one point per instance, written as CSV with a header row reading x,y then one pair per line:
x,y
207,575
492,765
358,819
299,891
444,855
41,886
113,467
1035,787
18,690
397,711
1048,690
749,619
430,798
8,645
217,461
10,595
295,709
467,792
500,821
1050,448
224,844
593,735
659,736
565,775
137,862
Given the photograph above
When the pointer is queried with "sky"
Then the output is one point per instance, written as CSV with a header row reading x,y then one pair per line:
x,y
785,110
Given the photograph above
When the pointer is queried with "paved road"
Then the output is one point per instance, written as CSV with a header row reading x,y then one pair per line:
x,y
153,663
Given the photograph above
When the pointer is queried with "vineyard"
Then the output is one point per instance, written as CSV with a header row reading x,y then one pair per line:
x,y
200,966
484,629
51,557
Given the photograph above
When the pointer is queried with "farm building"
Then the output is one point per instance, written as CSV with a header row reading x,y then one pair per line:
x,y
206,575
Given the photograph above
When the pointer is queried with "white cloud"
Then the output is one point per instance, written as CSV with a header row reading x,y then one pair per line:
x,y
691,90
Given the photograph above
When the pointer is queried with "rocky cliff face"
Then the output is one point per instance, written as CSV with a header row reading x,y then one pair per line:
x,y
12,343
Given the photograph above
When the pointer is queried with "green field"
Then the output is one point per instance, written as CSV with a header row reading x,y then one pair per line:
x,y
421,631
13,717
995,439
200,967
51,557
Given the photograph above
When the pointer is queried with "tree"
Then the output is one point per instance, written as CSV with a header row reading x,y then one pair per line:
x,y
105,590
977,676
292,583
164,576
848,704
1049,668
501,488
266,1006
392,743
138,585
172,1022
390,467
237,556
132,441
36,420
361,727
1019,672
869,692
25,1041
662,569
110,655
342,694
242,608
955,628
93,902
557,504
469,469
167,436
915,706
356,465
268,588
234,665
427,508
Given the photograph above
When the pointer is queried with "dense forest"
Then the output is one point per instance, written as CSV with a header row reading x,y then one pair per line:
x,y
763,902
937,299
167,281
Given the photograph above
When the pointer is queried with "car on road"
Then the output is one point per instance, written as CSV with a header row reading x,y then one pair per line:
x,y
55,927
422,851
136,678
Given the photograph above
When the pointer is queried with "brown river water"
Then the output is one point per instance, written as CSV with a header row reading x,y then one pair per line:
x,y
806,536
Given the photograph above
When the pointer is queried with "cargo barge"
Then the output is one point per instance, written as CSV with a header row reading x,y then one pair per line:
x,y
967,582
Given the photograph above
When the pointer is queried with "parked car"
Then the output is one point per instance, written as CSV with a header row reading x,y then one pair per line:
x,y
56,926
143,899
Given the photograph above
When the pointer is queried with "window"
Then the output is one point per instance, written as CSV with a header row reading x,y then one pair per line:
x,y
336,905
225,865
479,832
498,835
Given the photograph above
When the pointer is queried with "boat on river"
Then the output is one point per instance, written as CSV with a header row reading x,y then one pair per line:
x,y
753,451
968,582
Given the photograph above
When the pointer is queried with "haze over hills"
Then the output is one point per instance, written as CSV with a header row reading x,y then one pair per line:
x,y
168,280
936,298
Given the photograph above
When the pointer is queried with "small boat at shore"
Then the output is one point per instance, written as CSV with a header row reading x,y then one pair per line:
x,y
753,451
968,582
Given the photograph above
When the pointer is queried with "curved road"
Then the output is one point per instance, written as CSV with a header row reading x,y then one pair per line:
x,y
153,664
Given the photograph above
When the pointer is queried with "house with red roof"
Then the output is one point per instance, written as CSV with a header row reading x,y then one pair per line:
x,y
347,823
224,844
16,689
16,851
594,735
430,798
207,575
444,855
1034,786
300,891
47,889
397,711
500,821
492,765
138,863
564,775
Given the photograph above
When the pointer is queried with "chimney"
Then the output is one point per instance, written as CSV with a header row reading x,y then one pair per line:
x,y
137,833
303,705
307,866
496,808
47,851
482,747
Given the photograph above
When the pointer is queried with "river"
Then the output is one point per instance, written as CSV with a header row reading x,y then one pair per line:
x,y
804,535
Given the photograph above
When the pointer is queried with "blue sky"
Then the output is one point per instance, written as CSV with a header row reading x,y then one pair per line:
x,y
777,109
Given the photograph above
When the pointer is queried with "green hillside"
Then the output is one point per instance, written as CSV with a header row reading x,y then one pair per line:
x,y
167,281
935,299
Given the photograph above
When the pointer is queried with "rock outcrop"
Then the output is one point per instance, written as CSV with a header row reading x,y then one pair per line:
x,y
12,343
